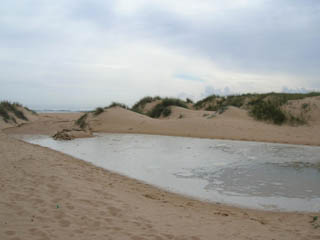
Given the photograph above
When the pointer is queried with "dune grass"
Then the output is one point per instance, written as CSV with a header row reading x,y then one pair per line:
x,y
163,108
268,107
205,101
264,107
117,104
188,100
7,107
81,122
268,111
138,106
98,111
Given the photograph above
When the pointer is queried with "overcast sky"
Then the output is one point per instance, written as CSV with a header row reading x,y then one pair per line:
x,y
83,54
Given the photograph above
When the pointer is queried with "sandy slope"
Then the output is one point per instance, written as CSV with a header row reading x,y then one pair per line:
x,y
233,124
30,116
44,123
49,195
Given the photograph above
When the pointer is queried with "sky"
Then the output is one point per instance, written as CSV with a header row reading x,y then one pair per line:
x,y
80,54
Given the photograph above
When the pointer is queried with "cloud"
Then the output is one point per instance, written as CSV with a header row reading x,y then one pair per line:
x,y
188,77
209,90
122,50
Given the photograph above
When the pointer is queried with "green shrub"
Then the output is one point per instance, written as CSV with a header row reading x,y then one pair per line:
x,y
166,112
268,111
116,104
268,107
6,107
211,108
296,120
98,111
235,100
188,100
163,108
4,114
138,106
204,101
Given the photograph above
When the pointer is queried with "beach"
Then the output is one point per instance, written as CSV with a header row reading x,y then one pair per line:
x,y
49,195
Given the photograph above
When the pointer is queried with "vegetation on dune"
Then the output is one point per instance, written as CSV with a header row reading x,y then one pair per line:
x,y
7,107
265,107
188,100
163,108
81,122
269,107
117,104
4,114
268,111
98,111
203,102
138,106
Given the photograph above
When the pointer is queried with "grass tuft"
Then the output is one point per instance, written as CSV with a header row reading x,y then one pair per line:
x,y
264,107
268,111
117,104
81,122
98,111
138,106
188,100
163,108
6,107
202,103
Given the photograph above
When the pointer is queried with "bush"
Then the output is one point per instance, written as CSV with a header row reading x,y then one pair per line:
x,y
204,101
4,114
235,100
116,104
188,100
6,107
268,111
138,106
163,108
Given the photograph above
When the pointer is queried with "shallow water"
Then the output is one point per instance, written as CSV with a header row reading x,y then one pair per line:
x,y
248,174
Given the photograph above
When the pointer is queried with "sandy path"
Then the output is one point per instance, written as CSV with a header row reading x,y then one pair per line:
x,y
48,195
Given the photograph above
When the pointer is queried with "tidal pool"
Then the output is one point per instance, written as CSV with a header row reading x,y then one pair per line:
x,y
248,174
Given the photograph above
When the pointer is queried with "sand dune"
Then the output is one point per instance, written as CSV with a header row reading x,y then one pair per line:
x,y
234,124
29,115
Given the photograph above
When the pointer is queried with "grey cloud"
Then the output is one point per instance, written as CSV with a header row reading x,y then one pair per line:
x,y
278,36
38,38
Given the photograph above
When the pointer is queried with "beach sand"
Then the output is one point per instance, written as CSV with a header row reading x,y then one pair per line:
x,y
45,194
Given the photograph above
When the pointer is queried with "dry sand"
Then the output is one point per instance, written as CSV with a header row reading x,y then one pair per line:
x,y
45,194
